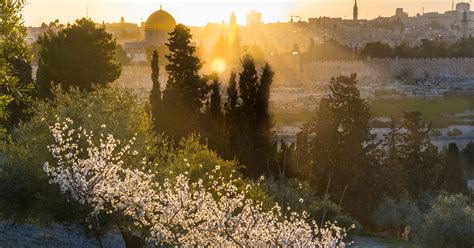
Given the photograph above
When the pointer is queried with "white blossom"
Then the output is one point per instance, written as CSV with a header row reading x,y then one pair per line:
x,y
175,211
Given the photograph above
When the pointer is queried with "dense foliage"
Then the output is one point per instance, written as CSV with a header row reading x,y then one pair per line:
x,y
332,50
80,55
25,192
248,118
16,86
185,89
449,223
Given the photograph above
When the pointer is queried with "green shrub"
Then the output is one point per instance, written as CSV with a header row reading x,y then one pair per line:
x,y
298,196
450,223
394,215
199,162
24,189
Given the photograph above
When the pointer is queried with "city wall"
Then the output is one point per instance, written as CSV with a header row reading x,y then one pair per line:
x,y
292,71
384,71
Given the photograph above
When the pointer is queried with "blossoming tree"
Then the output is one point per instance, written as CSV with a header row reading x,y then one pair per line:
x,y
175,211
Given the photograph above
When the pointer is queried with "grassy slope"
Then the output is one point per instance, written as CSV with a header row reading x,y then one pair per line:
x,y
433,109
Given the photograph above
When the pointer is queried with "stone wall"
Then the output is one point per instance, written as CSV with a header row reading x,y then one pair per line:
x,y
383,71
290,70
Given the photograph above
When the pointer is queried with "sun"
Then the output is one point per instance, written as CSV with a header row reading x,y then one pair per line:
x,y
218,65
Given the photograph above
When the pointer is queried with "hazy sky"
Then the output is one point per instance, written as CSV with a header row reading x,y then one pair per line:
x,y
195,12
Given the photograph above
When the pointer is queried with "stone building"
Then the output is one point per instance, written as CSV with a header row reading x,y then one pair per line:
x,y
157,29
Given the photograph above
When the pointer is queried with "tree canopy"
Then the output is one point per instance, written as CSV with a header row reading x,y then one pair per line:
x,y
81,55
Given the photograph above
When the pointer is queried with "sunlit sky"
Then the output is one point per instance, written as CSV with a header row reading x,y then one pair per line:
x,y
198,13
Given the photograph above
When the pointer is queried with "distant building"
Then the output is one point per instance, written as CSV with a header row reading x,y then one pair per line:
x,y
463,7
157,29
355,12
123,31
254,18
400,13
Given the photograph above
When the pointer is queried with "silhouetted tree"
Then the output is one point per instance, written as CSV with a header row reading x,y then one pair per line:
x,y
264,121
418,156
392,169
376,50
248,119
80,55
231,110
342,150
155,95
247,116
215,99
212,122
468,153
328,50
185,90
450,176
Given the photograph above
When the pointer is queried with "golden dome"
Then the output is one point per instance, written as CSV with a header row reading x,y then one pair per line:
x,y
160,21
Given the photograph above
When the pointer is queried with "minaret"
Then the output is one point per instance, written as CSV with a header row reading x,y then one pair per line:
x,y
355,13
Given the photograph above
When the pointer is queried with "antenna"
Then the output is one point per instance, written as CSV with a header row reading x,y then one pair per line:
x,y
87,9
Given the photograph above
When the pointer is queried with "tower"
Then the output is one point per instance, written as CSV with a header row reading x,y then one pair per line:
x,y
233,40
355,13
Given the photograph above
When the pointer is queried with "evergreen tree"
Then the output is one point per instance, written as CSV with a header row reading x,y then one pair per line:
x,y
248,87
231,110
185,90
215,99
344,167
246,146
155,95
183,69
80,55
392,170
468,153
248,119
302,156
213,127
451,177
264,120
418,156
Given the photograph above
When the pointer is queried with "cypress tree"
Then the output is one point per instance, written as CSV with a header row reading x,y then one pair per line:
x,y
342,149
231,109
183,69
232,95
248,87
215,99
248,119
247,149
264,121
212,122
264,118
185,90
155,95
418,156
451,177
